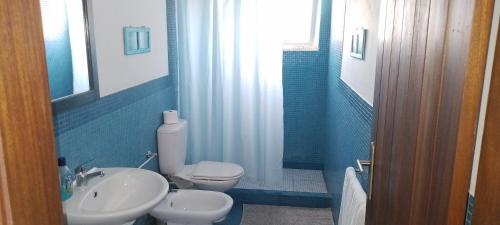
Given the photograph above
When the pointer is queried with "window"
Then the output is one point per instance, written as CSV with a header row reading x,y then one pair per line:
x,y
301,30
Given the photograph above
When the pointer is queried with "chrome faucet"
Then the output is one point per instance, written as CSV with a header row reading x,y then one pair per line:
x,y
82,176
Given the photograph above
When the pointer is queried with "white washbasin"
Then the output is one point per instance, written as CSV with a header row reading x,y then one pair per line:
x,y
121,196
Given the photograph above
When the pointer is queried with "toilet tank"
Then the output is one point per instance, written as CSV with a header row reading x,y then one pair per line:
x,y
172,144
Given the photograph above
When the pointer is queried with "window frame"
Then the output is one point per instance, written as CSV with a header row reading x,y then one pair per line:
x,y
313,43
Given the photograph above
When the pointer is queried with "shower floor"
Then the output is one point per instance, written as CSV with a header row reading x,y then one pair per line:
x,y
293,180
296,188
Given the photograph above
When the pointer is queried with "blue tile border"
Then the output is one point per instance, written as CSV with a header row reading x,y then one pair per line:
x,y
76,117
302,165
281,198
358,103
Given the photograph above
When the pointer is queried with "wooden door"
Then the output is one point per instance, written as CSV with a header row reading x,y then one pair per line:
x,y
29,192
429,79
487,196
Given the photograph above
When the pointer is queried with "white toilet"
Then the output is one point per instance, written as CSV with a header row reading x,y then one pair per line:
x,y
193,207
205,175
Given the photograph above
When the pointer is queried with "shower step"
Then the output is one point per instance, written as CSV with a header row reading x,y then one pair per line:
x,y
281,198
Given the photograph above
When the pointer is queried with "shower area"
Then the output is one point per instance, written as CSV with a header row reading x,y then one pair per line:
x,y
304,79
308,123
255,95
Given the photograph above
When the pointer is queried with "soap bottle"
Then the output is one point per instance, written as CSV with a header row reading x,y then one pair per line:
x,y
66,178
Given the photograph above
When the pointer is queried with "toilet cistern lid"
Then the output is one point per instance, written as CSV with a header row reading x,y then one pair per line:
x,y
208,170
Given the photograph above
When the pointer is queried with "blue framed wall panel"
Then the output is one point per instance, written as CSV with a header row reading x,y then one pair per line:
x,y
136,40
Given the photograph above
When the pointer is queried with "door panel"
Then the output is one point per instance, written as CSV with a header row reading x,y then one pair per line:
x,y
29,192
426,101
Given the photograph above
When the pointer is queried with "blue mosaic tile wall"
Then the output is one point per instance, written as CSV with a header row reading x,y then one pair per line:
x,y
118,129
470,210
348,118
304,99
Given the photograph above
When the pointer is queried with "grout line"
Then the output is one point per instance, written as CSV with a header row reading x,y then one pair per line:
x,y
294,180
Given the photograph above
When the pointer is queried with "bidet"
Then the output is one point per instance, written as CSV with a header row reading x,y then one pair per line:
x,y
193,207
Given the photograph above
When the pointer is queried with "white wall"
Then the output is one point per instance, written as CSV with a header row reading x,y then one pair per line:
x,y
360,74
484,99
116,71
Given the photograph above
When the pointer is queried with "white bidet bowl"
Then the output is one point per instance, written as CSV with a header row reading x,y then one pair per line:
x,y
193,207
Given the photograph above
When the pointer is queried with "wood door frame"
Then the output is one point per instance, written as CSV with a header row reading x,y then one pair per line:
x,y
464,47
469,110
486,206
29,192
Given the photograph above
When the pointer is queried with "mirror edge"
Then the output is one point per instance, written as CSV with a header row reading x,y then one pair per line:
x,y
73,101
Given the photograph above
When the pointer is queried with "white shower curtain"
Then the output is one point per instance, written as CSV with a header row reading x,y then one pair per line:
x,y
230,83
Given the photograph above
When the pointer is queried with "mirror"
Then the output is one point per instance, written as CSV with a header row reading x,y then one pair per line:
x,y
72,79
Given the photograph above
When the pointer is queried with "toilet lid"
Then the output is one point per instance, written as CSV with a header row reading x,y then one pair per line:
x,y
208,170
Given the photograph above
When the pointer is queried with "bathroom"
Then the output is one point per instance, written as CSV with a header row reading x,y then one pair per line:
x,y
248,112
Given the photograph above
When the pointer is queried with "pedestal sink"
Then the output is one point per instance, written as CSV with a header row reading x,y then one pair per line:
x,y
119,197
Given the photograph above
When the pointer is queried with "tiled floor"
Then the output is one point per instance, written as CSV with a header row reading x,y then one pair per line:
x,y
285,215
295,180
296,188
